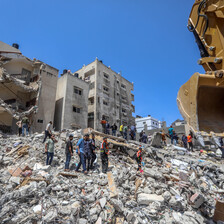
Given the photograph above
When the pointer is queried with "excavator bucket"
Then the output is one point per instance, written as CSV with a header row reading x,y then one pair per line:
x,y
201,103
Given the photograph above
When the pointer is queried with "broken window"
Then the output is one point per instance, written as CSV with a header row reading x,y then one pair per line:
x,y
106,75
123,110
77,90
40,121
91,101
105,89
76,110
91,115
123,86
105,103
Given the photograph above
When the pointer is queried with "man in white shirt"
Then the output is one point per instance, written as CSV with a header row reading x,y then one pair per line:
x,y
48,131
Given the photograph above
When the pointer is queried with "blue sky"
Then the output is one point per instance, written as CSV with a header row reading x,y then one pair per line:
x,y
148,41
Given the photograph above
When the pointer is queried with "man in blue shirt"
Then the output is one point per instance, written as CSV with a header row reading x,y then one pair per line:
x,y
171,133
80,151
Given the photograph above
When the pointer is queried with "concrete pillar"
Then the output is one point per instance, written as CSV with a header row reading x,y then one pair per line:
x,y
96,97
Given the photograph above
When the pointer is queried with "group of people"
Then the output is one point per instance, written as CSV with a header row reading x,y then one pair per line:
x,y
186,140
123,129
23,126
85,149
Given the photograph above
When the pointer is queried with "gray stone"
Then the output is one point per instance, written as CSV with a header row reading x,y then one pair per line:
x,y
118,205
82,221
146,199
50,216
103,202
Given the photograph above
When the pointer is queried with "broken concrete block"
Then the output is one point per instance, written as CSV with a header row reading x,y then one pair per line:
x,y
197,200
118,205
82,221
103,202
37,209
146,199
15,180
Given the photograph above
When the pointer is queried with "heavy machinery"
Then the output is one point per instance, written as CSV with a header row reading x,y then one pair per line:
x,y
201,99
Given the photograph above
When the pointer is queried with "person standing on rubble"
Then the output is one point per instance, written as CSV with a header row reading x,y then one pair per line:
x,y
103,123
107,128
139,158
184,140
140,135
104,151
170,131
68,152
80,151
163,135
87,151
49,149
114,129
190,144
93,154
25,123
48,131
132,132
121,130
125,132
19,124
175,138
144,138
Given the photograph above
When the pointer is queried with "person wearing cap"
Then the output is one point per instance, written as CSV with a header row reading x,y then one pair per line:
x,y
68,152
104,151
93,154
139,158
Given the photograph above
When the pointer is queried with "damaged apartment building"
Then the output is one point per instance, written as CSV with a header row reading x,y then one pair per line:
x,y
107,95
27,87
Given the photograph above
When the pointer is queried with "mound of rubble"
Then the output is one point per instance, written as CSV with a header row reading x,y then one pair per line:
x,y
173,187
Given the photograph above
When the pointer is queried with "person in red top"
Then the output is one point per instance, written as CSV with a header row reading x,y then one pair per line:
x,y
189,141
139,158
104,151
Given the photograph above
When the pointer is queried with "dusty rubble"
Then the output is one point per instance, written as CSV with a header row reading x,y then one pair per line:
x,y
173,188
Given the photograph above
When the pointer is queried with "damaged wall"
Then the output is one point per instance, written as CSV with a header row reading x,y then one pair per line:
x,y
110,95
28,87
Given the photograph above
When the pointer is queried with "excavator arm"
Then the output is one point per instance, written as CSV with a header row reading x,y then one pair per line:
x,y
201,99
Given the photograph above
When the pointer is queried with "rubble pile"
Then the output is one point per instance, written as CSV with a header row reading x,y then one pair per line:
x,y
173,187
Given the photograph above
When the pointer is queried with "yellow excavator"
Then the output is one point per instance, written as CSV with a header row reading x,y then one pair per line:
x,y
201,99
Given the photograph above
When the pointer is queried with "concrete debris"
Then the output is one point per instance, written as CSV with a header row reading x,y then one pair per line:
x,y
171,188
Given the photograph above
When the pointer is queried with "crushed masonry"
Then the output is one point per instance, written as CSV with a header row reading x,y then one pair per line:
x,y
172,188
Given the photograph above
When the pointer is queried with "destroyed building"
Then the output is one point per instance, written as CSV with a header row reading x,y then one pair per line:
x,y
28,87
110,95
71,109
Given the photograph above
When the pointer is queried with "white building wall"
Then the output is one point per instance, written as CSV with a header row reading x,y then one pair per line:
x,y
151,123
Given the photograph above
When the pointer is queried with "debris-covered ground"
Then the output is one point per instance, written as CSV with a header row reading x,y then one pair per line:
x,y
174,187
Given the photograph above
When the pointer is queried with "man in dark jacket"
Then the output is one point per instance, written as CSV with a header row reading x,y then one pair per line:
x,y
184,140
114,129
104,151
144,138
87,150
68,152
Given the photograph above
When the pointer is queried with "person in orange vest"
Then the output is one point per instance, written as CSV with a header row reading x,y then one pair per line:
x,y
189,141
104,151
139,158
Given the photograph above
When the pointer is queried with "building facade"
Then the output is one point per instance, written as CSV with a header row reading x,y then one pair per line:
x,y
27,87
149,123
110,95
71,109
